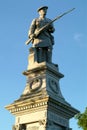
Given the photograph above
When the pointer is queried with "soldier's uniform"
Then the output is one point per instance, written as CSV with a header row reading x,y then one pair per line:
x,y
44,41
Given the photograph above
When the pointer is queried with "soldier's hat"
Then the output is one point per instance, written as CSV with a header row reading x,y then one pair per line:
x,y
42,8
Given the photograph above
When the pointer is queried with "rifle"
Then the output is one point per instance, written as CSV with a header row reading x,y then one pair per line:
x,y
46,26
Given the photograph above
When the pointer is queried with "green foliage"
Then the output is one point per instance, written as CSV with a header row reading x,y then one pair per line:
x,y
82,119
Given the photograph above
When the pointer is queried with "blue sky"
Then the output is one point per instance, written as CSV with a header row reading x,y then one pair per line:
x,y
70,51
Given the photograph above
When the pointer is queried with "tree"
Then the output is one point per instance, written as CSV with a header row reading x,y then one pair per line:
x,y
82,119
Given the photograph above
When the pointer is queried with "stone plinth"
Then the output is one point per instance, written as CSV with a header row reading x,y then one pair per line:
x,y
41,113
42,105
43,77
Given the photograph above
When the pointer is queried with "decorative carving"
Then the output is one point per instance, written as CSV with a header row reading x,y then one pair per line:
x,y
53,85
28,107
42,122
35,84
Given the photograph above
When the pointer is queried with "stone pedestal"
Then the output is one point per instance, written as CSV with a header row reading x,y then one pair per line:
x,y
41,105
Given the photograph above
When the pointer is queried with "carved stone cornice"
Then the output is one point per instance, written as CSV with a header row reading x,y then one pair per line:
x,y
28,104
36,104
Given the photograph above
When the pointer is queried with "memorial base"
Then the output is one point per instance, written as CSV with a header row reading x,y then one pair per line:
x,y
42,105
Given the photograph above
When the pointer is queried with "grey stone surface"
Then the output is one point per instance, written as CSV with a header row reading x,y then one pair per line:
x,y
42,113
43,43
41,105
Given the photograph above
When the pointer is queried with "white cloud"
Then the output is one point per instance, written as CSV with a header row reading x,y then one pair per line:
x,y
78,37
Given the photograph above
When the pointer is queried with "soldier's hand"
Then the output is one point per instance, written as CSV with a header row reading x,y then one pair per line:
x,y
32,36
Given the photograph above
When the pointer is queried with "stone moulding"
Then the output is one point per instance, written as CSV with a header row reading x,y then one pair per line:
x,y
39,104
18,107
44,67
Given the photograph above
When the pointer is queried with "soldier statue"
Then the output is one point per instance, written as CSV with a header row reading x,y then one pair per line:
x,y
43,43
40,33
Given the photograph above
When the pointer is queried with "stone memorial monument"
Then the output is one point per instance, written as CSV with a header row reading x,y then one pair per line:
x,y
41,105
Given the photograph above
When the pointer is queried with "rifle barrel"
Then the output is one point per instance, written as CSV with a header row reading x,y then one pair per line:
x,y
44,27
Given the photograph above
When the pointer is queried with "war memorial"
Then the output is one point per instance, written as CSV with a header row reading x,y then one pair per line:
x,y
42,106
